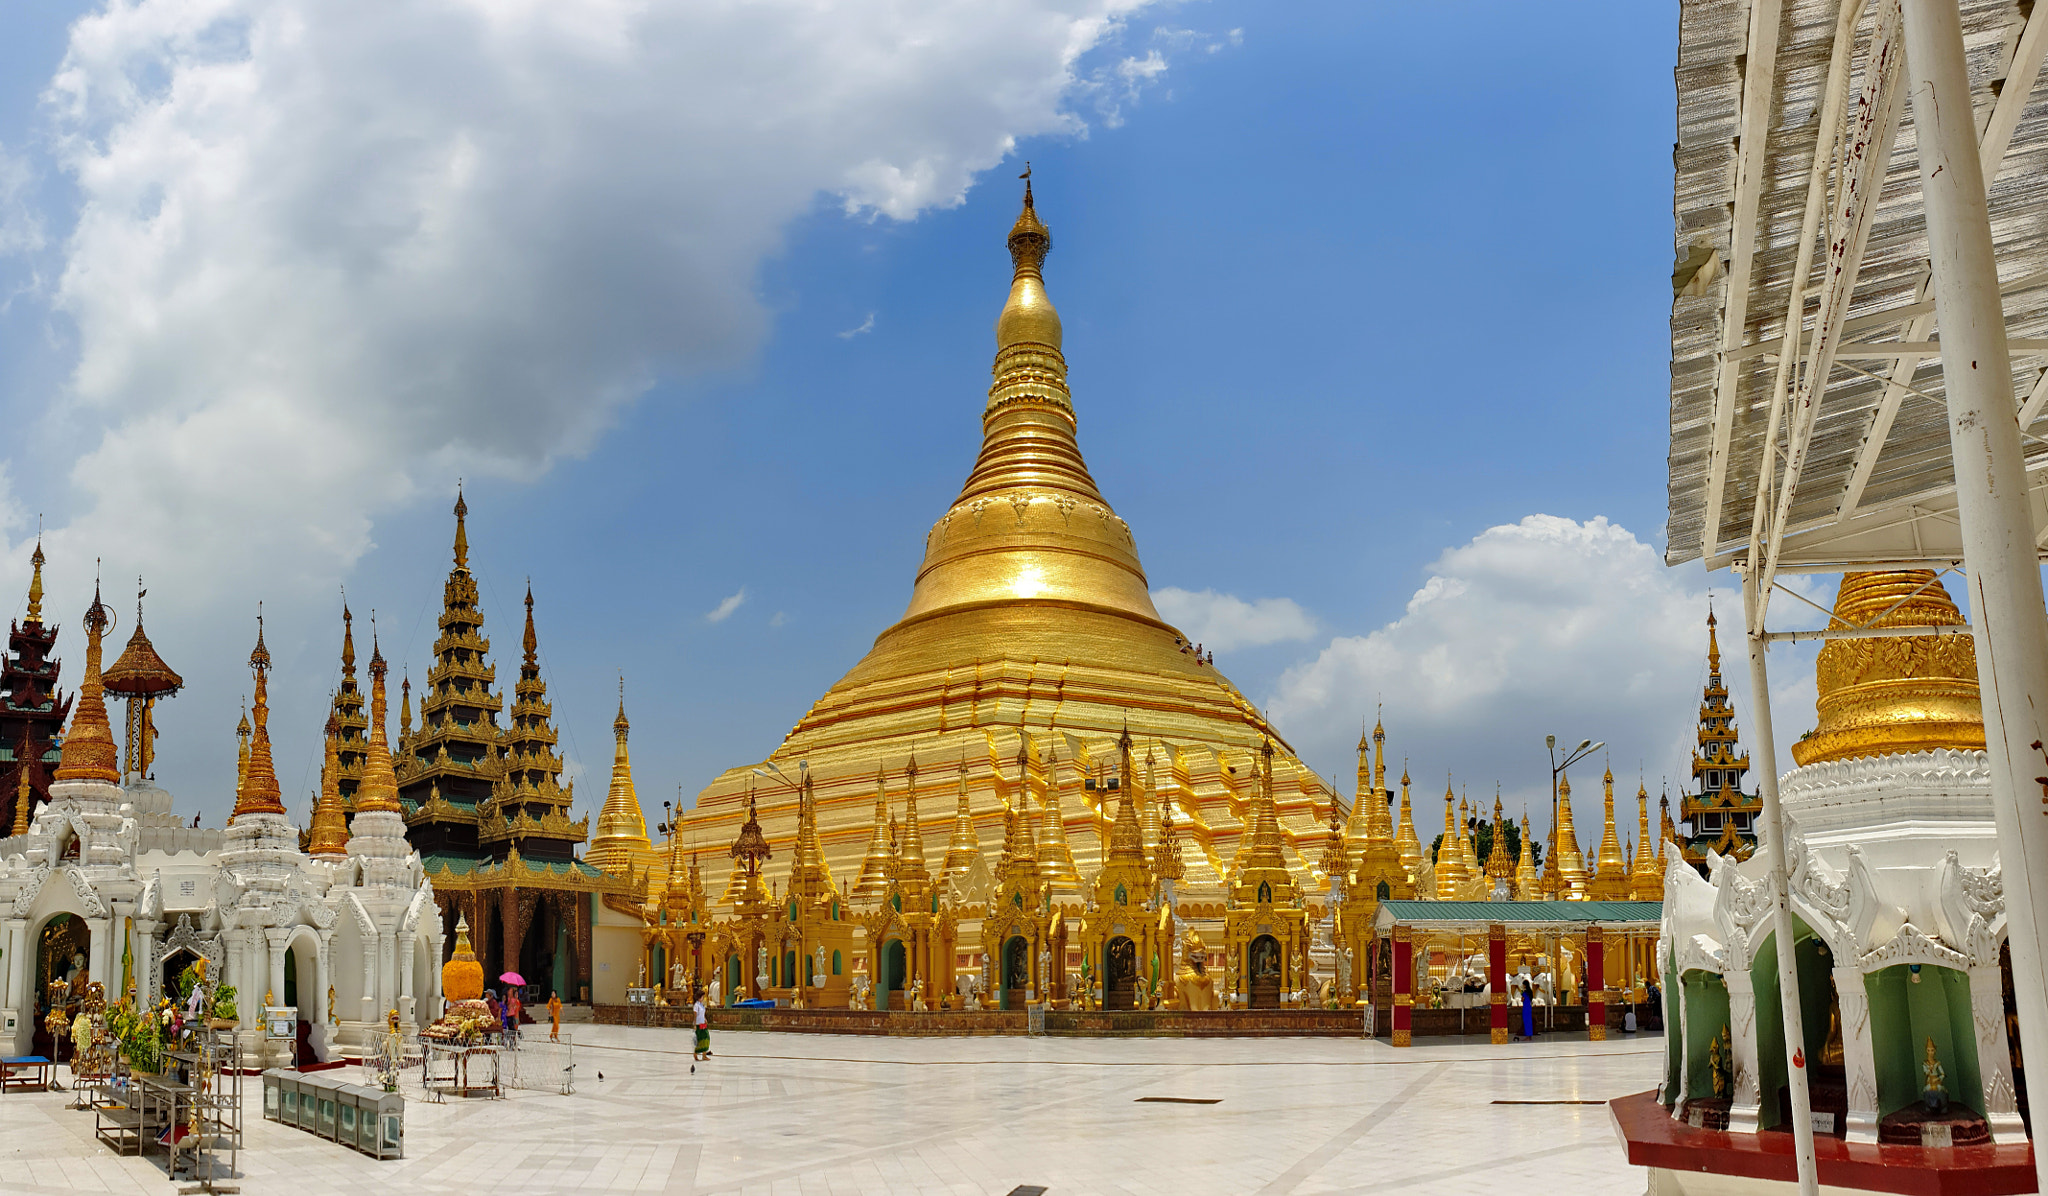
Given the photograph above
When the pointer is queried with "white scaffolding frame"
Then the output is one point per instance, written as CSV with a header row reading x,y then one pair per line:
x,y
1818,227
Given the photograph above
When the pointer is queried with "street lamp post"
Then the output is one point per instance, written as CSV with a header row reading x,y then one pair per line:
x,y
1555,878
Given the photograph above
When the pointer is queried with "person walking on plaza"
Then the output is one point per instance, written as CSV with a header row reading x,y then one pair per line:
x,y
1528,1011
703,1023
554,1016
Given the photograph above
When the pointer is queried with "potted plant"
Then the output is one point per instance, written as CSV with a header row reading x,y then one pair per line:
x,y
225,1016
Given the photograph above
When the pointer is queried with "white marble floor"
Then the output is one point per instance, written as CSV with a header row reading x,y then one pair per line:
x,y
782,1113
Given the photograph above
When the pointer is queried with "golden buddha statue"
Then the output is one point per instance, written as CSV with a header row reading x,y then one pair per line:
x,y
1899,694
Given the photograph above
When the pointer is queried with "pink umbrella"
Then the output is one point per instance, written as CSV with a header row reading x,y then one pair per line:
x,y
512,978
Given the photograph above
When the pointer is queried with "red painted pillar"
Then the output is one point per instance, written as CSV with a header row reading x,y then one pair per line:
x,y
1497,980
1596,984
1404,983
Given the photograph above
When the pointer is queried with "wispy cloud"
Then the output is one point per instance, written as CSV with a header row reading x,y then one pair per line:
x,y
1225,621
723,610
780,618
867,325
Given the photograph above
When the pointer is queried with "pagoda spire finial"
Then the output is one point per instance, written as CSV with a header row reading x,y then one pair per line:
x,y
621,825
89,751
348,641
1713,642
260,792
35,584
531,642
378,790
461,529
328,833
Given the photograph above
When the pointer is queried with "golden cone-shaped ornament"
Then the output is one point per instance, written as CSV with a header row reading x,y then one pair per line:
x,y
462,977
1915,693
89,751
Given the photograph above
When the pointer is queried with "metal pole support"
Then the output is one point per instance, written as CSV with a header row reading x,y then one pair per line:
x,y
1991,489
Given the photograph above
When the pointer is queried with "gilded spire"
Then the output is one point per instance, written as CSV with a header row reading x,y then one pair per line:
x,y
352,726
1406,841
1262,874
1570,868
24,797
1126,838
1500,865
1450,856
328,834
1645,882
35,585
405,707
242,752
531,643
1527,886
1611,870
910,852
1055,852
379,789
260,792
621,825
89,751
1166,861
965,846
810,878
461,530
348,642
874,867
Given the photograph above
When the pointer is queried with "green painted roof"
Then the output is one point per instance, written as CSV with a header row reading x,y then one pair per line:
x,y
1414,913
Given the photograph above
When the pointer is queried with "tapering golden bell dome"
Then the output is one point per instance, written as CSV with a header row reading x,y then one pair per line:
x,y
1029,616
1901,694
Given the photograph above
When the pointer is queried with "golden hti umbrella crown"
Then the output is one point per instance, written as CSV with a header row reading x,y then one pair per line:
x,y
1899,694
378,792
260,792
89,752
328,835
35,586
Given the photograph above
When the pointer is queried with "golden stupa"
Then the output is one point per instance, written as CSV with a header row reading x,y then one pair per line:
x,y
1883,696
1030,616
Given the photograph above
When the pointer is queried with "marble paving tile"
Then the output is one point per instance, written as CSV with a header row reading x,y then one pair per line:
x,y
811,1115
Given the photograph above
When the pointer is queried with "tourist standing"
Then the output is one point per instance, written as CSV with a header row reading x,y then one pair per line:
x,y
497,1010
703,1024
1528,1011
514,1007
554,1016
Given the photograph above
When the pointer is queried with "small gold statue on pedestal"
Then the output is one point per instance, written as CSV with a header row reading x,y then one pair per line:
x,y
1935,1093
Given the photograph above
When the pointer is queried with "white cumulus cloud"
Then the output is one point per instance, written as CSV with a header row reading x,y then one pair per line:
x,y
1546,626
723,611
327,257
1221,622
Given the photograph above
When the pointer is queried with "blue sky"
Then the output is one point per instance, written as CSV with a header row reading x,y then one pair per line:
x,y
1351,292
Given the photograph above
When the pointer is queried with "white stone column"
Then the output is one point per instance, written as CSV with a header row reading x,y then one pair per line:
x,y
387,989
405,993
276,937
367,1005
1747,1096
100,954
14,979
1994,1057
1859,1059
145,959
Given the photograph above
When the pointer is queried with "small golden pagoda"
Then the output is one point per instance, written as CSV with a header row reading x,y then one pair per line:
x,y
1265,927
1378,873
1017,931
1566,878
352,725
1646,879
89,753
621,827
1610,880
1528,886
1406,841
1120,945
911,933
1903,694
327,837
816,935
